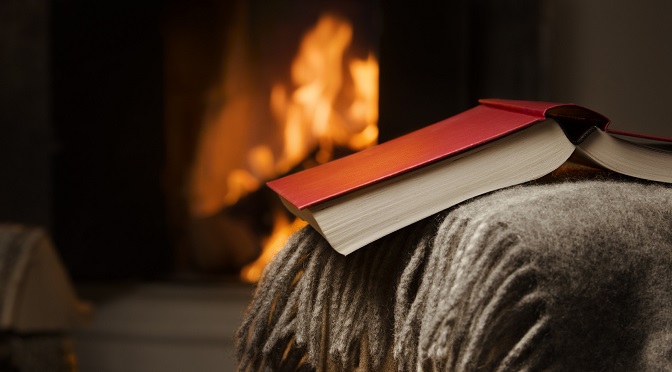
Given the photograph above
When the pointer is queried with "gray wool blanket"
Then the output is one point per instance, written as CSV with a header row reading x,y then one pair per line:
x,y
569,276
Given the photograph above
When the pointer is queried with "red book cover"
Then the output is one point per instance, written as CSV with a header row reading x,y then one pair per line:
x,y
491,120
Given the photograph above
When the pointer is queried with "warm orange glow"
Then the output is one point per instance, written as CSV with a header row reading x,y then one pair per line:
x,y
282,230
332,101
365,107
311,116
240,183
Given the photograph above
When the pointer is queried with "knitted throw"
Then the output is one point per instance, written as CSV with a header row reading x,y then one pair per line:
x,y
566,276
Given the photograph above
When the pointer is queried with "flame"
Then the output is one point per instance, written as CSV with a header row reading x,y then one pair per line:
x,y
332,101
365,107
310,113
311,117
282,230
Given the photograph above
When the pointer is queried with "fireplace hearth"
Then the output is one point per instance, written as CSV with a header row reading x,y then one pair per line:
x,y
135,87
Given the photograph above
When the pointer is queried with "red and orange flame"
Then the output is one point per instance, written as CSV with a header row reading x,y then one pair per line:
x,y
330,103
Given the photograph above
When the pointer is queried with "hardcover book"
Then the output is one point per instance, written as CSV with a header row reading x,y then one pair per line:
x,y
360,198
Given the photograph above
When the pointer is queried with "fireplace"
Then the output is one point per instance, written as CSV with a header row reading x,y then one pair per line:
x,y
170,116
289,88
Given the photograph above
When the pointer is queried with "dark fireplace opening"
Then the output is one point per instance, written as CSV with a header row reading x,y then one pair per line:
x,y
133,86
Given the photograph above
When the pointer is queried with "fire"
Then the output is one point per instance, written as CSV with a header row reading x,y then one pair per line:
x,y
311,113
365,107
283,228
331,102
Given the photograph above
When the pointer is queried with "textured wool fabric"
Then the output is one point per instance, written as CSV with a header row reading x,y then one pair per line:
x,y
561,276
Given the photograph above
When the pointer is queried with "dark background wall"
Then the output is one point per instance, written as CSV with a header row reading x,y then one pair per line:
x,y
107,118
26,135
82,144
614,57
438,58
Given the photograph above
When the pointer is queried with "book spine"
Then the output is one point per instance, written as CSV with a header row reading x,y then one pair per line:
x,y
577,122
532,108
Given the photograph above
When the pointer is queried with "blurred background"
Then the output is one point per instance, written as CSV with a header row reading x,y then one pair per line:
x,y
139,135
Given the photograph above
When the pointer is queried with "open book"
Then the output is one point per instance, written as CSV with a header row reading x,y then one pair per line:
x,y
355,200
